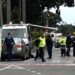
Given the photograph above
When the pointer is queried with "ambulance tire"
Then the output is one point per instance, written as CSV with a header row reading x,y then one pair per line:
x,y
2,57
23,54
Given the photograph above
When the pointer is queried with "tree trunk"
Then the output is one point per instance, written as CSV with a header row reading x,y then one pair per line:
x,y
8,11
1,18
24,11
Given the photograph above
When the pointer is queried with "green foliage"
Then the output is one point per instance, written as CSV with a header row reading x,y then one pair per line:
x,y
34,10
66,29
51,18
15,15
36,34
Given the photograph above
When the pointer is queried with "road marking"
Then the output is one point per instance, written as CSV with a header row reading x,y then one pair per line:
x,y
70,62
28,70
52,64
5,68
18,67
39,73
10,67
56,61
33,71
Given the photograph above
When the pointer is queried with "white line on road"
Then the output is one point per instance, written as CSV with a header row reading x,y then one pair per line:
x,y
39,73
5,68
69,62
10,67
47,64
33,71
18,67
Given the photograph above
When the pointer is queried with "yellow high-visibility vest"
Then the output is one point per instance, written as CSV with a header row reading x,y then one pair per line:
x,y
63,41
42,42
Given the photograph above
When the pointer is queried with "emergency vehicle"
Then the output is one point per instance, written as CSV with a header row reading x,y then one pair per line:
x,y
20,34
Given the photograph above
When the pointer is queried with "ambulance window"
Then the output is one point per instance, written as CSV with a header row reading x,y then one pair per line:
x,y
16,33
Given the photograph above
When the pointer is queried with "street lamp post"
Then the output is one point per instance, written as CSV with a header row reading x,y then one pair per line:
x,y
1,18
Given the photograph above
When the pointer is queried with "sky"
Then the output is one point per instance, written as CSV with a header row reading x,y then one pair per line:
x,y
67,14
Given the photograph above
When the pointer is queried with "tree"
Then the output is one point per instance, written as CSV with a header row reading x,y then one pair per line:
x,y
34,9
70,3
68,28
51,18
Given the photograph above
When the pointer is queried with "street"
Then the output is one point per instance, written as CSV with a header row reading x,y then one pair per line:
x,y
55,66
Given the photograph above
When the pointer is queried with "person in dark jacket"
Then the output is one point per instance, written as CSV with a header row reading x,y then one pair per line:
x,y
9,42
73,42
68,44
49,44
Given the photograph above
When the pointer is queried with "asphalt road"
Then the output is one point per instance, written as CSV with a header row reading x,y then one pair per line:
x,y
55,66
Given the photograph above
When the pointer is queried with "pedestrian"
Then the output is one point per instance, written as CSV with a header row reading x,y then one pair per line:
x,y
42,45
37,41
73,43
68,44
63,45
9,43
30,47
49,44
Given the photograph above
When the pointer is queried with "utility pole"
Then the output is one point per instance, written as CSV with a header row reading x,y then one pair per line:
x,y
24,11
8,11
1,18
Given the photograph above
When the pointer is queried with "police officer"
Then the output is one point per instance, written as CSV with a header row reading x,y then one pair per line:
x,y
49,44
68,44
73,46
9,42
42,44
63,45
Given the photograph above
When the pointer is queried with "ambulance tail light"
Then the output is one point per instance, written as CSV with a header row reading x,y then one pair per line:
x,y
19,46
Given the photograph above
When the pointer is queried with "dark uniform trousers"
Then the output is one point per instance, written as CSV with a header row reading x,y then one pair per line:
x,y
41,53
68,51
63,50
49,49
9,52
74,51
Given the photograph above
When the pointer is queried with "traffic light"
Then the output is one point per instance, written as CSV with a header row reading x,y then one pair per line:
x,y
70,3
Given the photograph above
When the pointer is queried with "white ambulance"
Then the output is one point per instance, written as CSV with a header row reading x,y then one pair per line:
x,y
20,34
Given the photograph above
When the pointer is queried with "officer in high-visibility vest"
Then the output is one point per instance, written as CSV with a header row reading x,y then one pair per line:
x,y
63,45
42,44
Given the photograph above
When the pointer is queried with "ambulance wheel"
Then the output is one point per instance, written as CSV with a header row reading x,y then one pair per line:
x,y
23,58
2,58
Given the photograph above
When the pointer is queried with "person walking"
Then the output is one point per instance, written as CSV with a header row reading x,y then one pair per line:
x,y
9,42
42,45
49,44
68,44
63,45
